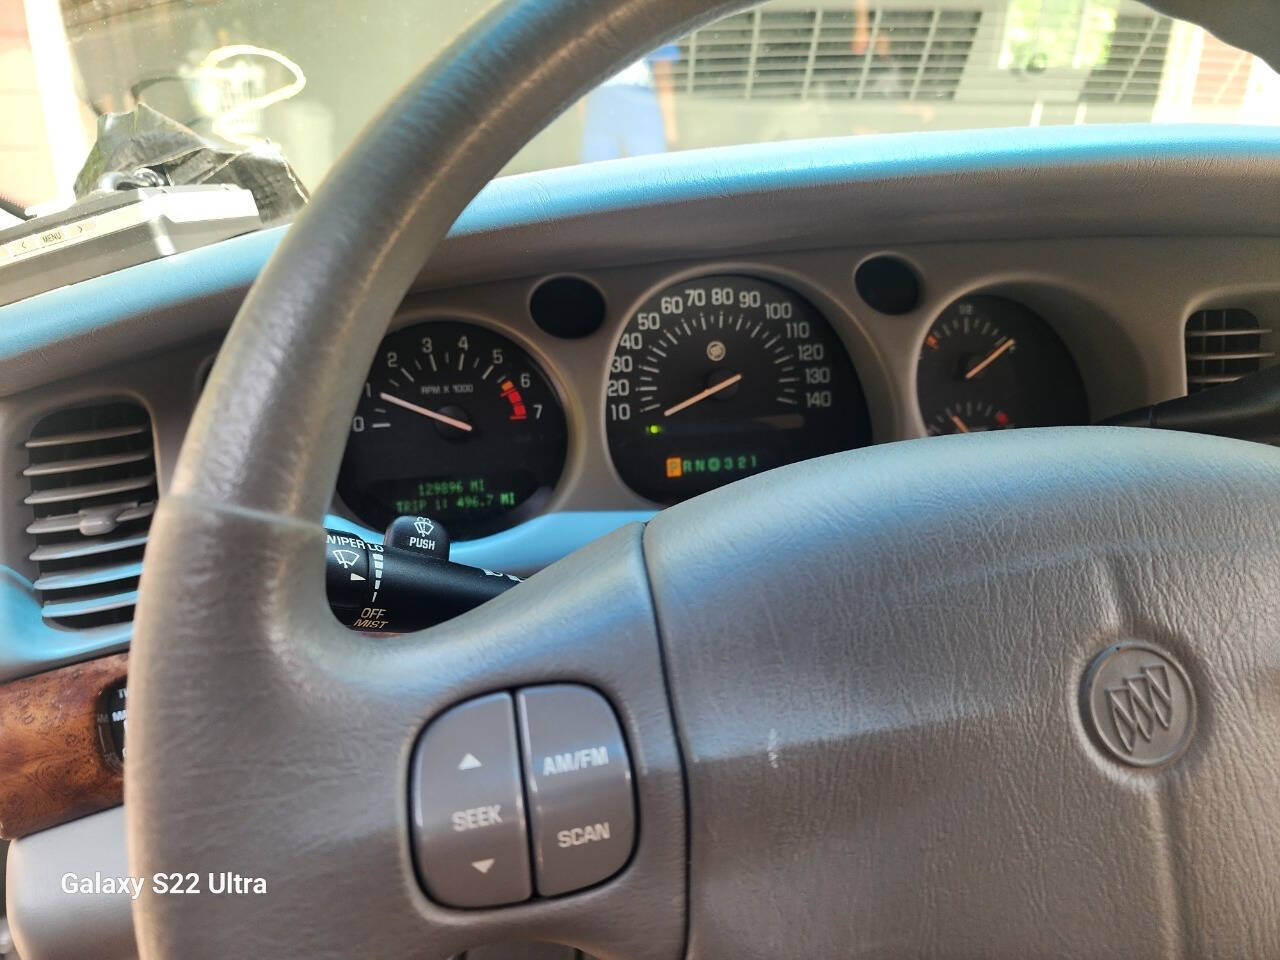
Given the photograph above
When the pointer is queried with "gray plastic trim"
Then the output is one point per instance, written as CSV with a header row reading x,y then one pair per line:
x,y
50,924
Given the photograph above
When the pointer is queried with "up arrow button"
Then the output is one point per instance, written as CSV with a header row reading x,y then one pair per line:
x,y
471,842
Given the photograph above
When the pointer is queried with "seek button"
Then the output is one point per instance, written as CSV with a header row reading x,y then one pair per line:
x,y
469,831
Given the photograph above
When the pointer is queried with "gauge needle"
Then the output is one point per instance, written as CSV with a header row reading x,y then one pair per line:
x,y
449,421
702,395
992,357
960,424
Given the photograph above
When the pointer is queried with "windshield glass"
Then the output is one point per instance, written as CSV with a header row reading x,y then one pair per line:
x,y
303,78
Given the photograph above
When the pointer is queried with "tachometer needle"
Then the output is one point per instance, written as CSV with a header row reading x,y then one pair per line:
x,y
447,420
703,394
991,358
961,426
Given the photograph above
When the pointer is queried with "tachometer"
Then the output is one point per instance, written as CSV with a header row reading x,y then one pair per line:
x,y
989,363
720,377
456,422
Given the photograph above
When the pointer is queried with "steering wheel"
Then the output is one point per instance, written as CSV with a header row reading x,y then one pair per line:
x,y
1003,695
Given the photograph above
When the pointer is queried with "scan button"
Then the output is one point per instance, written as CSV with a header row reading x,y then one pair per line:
x,y
579,780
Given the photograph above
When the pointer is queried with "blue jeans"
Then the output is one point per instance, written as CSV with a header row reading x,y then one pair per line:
x,y
622,121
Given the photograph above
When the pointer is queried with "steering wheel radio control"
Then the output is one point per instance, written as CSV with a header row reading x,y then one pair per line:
x,y
468,807
578,779
560,745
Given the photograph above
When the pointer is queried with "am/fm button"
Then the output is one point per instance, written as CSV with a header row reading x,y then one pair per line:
x,y
578,778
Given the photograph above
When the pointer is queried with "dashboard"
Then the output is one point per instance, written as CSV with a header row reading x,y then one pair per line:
x,y
593,344
647,384
723,371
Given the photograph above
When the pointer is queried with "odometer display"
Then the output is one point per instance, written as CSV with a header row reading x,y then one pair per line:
x,y
721,377
457,423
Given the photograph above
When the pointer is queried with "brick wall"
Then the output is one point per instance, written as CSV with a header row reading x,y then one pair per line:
x,y
1224,74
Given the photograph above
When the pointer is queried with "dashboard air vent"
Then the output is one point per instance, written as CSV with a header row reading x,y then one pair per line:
x,y
92,489
1222,346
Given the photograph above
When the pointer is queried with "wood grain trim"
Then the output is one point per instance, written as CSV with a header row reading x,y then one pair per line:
x,y
53,767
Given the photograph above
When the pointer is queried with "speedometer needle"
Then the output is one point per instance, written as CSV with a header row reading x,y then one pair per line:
x,y
703,394
447,420
992,357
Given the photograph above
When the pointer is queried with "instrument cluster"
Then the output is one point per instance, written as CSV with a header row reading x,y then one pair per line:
x,y
709,379
455,422
721,377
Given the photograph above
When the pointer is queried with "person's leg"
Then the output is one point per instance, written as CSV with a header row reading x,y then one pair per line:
x,y
603,115
643,132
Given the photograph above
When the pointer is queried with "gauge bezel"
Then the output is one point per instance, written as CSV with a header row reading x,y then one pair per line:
x,y
1089,332
1058,282
545,499
833,300
752,272
1018,304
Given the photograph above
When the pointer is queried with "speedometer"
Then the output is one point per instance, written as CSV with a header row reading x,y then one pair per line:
x,y
456,422
721,377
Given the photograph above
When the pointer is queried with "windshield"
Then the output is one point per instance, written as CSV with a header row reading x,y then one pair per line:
x,y
303,78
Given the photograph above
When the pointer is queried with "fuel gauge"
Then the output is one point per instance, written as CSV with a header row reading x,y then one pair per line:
x,y
989,363
969,417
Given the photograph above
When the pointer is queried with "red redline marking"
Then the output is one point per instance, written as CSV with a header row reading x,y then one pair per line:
x,y
518,409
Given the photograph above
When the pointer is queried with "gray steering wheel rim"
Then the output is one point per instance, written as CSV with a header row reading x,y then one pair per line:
x,y
238,539
323,301
239,533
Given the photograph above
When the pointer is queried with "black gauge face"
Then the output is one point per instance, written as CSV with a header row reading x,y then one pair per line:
x,y
990,364
456,423
721,377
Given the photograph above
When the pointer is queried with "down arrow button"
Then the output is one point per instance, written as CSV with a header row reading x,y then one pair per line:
x,y
469,830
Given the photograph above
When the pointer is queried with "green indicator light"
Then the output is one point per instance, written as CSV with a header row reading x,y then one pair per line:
x,y
653,429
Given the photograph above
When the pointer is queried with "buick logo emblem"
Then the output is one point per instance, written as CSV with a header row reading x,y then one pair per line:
x,y
1139,703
